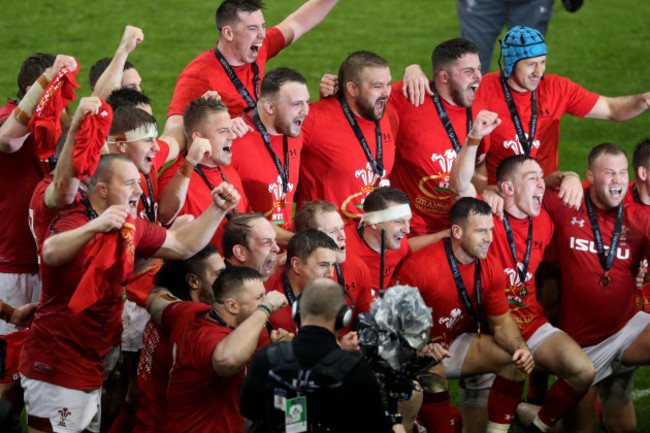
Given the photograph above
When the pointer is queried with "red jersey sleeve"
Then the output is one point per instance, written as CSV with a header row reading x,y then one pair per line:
x,y
577,100
161,156
494,287
149,238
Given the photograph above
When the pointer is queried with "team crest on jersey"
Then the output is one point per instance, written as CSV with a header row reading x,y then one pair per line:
x,y
515,290
453,319
515,145
279,201
352,207
63,416
437,185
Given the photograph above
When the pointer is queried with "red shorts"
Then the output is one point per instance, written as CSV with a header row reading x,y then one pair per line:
x,y
9,357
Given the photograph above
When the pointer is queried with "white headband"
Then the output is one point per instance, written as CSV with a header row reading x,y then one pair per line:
x,y
143,132
388,214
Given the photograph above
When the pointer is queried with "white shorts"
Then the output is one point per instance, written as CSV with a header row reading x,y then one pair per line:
x,y
17,290
483,381
134,319
606,355
458,351
57,409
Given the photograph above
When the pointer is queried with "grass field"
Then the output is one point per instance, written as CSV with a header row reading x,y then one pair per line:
x,y
604,47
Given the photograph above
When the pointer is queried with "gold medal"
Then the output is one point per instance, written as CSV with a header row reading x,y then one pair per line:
x,y
523,292
604,280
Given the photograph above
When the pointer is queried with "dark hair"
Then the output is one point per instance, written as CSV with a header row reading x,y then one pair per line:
x,y
230,281
172,275
306,218
355,63
99,67
32,68
227,11
237,231
277,78
104,171
380,198
127,117
121,97
641,155
466,207
305,242
322,297
450,51
508,165
198,110
604,148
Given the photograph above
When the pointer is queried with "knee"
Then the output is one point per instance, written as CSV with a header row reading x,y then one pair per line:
x,y
582,374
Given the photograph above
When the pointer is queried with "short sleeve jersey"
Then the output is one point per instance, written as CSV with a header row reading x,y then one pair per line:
x,y
206,73
19,173
199,400
356,246
154,365
438,289
334,166
199,196
260,175
522,296
555,96
77,343
642,295
590,312
424,155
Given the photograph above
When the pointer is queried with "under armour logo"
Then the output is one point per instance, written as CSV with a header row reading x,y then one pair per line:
x,y
293,153
386,136
580,222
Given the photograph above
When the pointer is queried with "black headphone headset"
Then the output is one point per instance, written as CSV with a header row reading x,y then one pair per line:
x,y
343,317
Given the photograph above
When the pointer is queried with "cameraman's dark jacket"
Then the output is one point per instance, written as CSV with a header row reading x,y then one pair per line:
x,y
354,406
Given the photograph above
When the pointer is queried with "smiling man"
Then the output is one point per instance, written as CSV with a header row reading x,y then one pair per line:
x,y
235,67
348,139
538,101
186,184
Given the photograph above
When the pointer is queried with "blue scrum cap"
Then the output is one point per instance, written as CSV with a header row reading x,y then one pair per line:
x,y
521,43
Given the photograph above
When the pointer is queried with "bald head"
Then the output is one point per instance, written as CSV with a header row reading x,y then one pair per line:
x,y
321,301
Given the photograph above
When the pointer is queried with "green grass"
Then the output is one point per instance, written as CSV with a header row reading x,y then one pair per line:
x,y
602,47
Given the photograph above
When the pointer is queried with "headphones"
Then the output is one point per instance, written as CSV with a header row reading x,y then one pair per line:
x,y
343,317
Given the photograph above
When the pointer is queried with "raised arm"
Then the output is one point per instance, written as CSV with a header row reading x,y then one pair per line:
x,y
173,196
234,351
569,185
620,107
190,238
462,172
14,130
111,79
62,247
60,194
305,18
415,85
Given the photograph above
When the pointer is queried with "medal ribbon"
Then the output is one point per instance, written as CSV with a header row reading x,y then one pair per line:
x,y
460,285
284,174
149,209
378,165
637,199
444,117
200,172
339,275
234,79
526,143
606,257
288,291
511,242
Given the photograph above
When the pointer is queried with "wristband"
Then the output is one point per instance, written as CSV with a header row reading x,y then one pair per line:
x,y
25,109
266,307
472,141
187,168
6,311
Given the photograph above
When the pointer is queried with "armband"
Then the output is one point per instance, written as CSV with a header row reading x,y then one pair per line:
x,y
187,168
25,109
